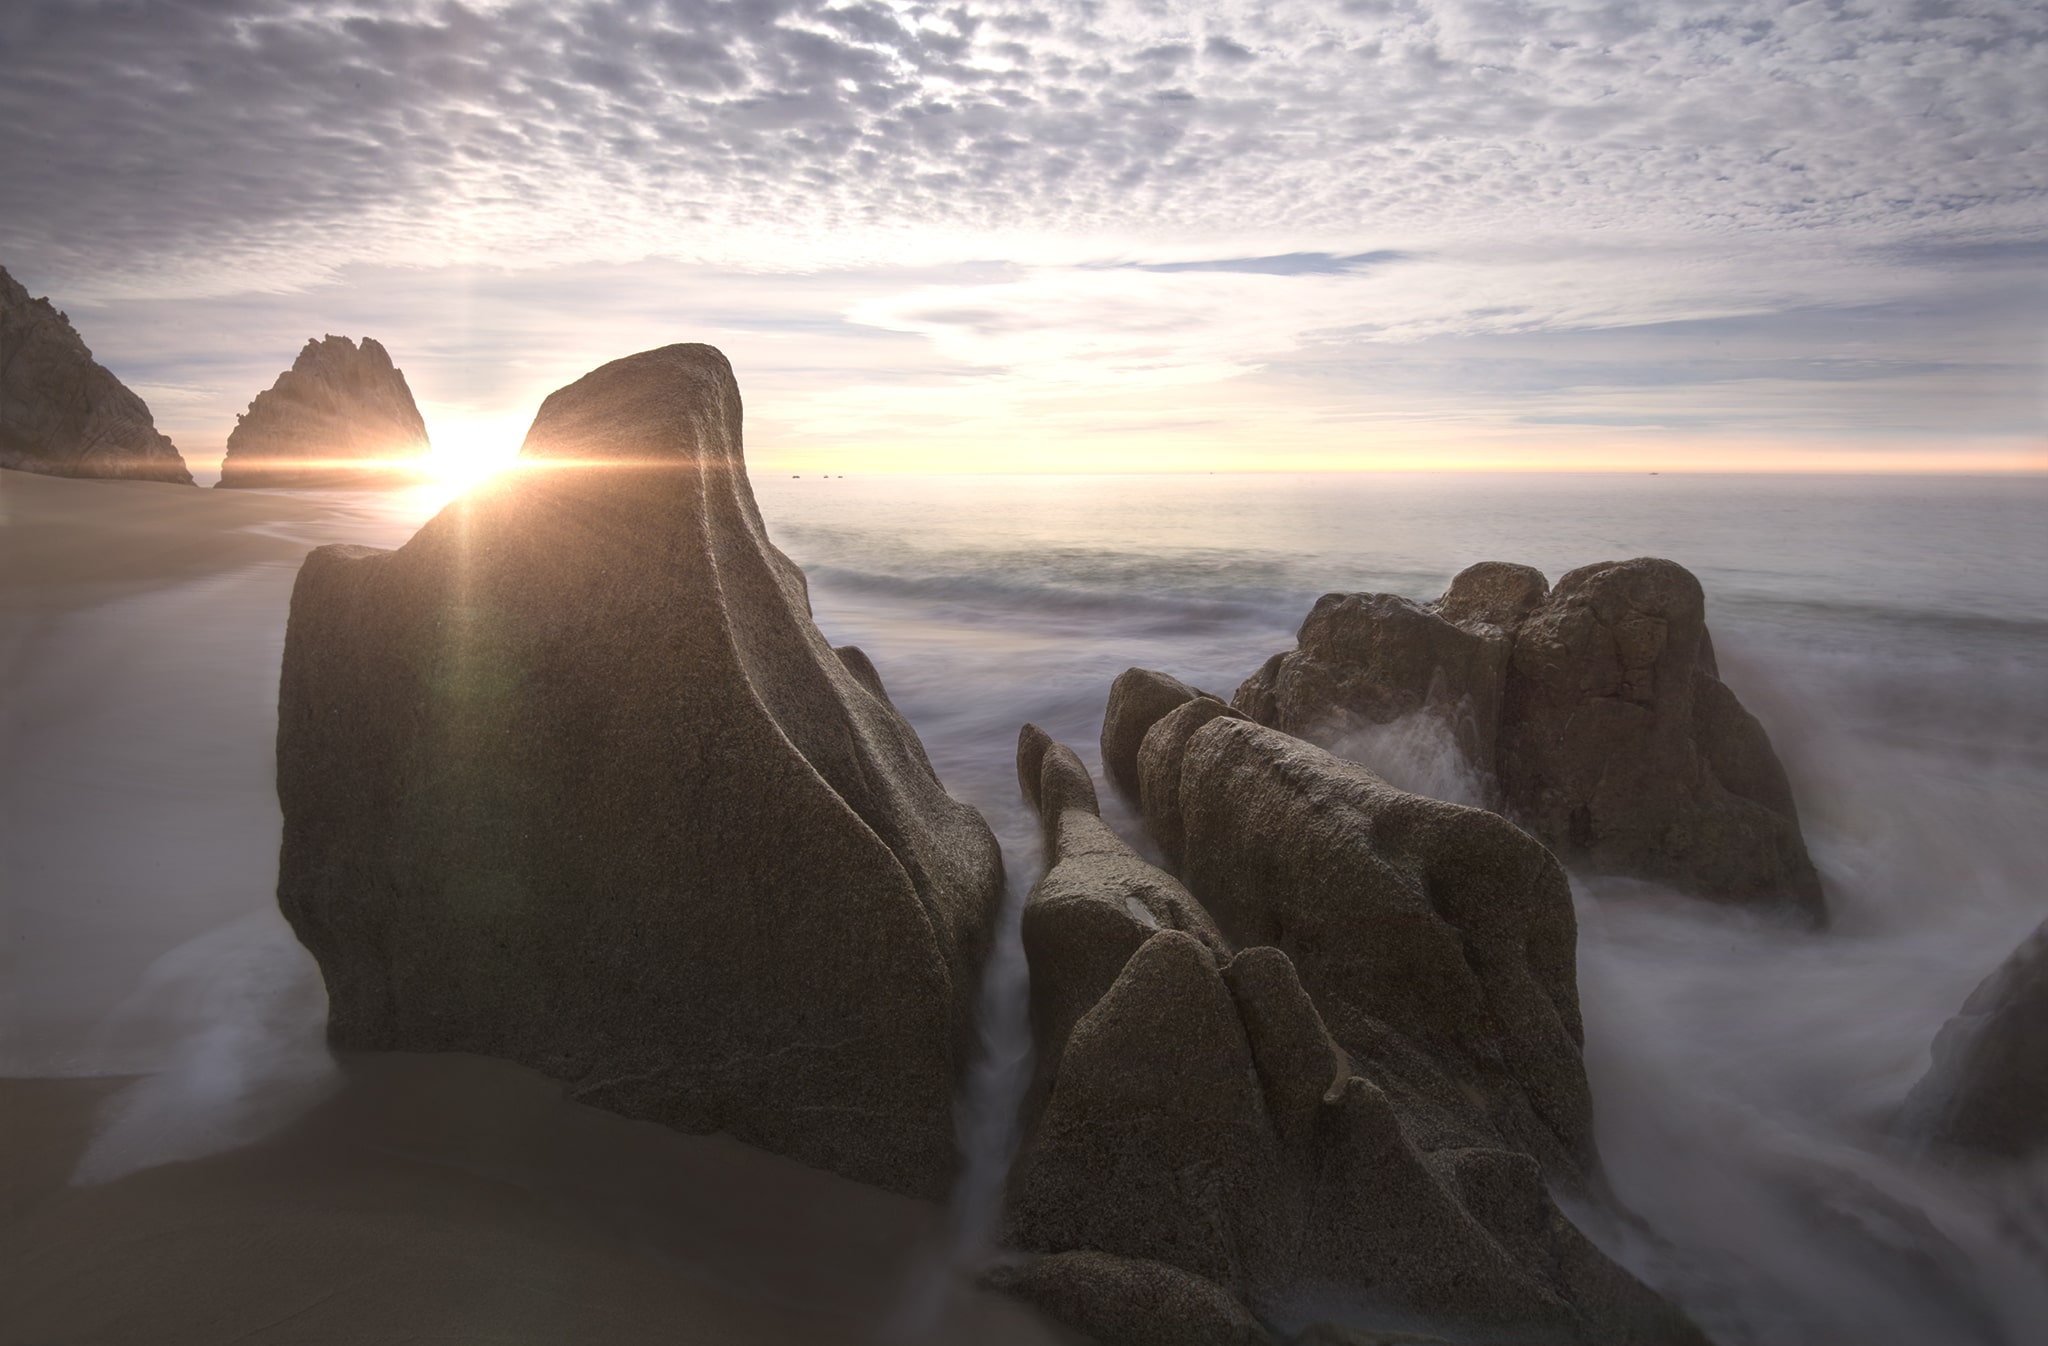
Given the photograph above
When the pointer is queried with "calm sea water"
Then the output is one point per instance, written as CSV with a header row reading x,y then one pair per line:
x,y
1891,633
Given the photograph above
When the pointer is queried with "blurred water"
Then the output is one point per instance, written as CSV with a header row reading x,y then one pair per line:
x,y
1892,634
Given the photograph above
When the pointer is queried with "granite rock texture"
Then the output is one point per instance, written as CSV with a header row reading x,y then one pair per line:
x,y
1096,903
342,415
1137,698
1127,1301
1241,1127
1987,1091
572,778
64,414
1592,711
1372,659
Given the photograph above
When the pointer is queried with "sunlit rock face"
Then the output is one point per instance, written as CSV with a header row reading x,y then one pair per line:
x,y
63,414
572,778
1332,1077
1592,714
1987,1091
342,415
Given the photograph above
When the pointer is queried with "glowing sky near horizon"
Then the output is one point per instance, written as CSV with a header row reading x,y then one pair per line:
x,y
1077,235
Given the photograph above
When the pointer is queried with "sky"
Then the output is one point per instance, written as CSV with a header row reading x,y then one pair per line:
x,y
1071,235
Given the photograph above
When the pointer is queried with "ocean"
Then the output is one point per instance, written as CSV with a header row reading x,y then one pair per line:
x,y
1891,633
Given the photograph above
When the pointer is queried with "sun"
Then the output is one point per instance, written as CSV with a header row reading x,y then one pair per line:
x,y
468,449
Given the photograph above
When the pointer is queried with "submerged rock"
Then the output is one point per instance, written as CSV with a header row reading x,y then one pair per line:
x,y
64,414
342,415
1241,1129
1987,1091
572,778
1592,712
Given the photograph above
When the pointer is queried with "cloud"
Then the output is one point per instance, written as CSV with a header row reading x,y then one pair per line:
x,y
1286,264
947,214
283,138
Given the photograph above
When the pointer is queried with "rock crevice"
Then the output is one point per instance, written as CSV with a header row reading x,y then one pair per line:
x,y
1333,1075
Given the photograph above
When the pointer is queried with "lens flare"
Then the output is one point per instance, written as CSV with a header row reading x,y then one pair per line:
x,y
468,450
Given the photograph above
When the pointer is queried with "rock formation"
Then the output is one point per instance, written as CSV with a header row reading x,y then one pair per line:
x,y
63,414
1987,1091
1334,1075
340,416
1593,712
1137,699
571,778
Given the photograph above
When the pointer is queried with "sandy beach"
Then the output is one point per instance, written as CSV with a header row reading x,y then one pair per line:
x,y
183,1159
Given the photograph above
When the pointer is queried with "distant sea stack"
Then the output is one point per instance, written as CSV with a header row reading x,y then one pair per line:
x,y
62,413
342,415
572,778
1594,713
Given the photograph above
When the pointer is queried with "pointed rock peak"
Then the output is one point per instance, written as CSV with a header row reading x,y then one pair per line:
x,y
342,415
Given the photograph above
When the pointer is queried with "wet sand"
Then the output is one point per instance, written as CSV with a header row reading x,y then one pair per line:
x,y
181,1160
435,1198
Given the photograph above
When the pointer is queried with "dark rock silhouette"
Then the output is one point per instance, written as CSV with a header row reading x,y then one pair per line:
x,y
1592,712
62,413
342,415
1244,1125
1987,1091
571,778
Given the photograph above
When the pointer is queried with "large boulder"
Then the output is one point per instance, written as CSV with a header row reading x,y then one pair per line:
x,y
342,415
1592,714
572,778
64,414
1987,1092
1625,753
1210,1166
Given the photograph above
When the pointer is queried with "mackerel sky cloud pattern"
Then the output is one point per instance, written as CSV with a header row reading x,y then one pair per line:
x,y
1372,175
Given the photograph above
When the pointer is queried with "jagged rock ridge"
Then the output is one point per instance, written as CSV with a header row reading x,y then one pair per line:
x,y
342,415
1334,1074
64,414
572,778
